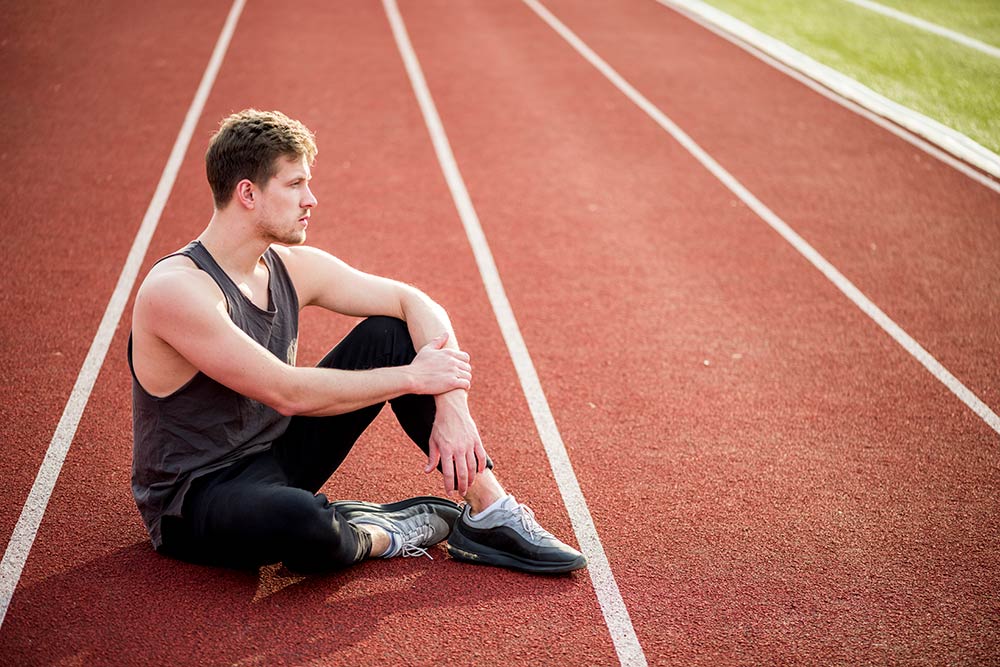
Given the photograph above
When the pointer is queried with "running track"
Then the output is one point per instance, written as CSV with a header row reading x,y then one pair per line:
x,y
810,495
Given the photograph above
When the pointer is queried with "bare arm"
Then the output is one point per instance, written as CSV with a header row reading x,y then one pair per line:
x,y
328,282
455,441
184,309
323,280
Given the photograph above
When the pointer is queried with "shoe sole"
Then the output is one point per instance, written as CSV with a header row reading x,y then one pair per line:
x,y
348,506
484,555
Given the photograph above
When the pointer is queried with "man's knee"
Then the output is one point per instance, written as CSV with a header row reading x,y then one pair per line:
x,y
316,541
375,342
391,337
383,327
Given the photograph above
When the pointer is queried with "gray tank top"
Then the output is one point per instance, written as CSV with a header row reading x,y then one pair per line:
x,y
205,426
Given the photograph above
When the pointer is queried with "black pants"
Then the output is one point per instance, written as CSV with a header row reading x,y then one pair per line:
x,y
265,509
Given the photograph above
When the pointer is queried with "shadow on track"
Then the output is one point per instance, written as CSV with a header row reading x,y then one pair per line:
x,y
135,607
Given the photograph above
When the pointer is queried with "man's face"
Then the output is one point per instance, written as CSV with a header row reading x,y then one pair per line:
x,y
285,203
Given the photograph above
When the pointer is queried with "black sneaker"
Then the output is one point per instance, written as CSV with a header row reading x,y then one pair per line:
x,y
413,524
511,537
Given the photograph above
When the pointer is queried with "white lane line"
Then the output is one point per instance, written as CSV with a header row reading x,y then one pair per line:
x,y
934,28
27,525
609,597
776,223
943,136
833,96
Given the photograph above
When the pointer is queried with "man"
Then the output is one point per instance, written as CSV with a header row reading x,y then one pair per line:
x,y
232,441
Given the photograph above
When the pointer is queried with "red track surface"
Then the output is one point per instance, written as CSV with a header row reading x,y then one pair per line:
x,y
812,496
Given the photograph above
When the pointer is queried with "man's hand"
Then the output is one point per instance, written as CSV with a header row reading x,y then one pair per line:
x,y
437,369
456,444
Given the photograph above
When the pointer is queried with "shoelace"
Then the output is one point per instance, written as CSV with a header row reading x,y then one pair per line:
x,y
528,521
409,549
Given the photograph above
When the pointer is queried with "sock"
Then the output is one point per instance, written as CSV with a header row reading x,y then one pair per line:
x,y
492,508
394,545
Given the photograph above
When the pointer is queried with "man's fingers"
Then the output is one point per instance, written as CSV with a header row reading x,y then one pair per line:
x,y
439,342
480,457
457,356
462,476
433,457
470,461
448,472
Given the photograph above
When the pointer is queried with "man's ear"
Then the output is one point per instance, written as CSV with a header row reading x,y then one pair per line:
x,y
246,194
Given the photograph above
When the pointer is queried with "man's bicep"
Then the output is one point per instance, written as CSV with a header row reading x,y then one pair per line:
x,y
197,326
331,283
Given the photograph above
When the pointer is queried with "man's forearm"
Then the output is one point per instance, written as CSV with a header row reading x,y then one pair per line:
x,y
435,369
425,320
318,392
326,391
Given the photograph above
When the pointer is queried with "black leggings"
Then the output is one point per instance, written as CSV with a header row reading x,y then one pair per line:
x,y
265,508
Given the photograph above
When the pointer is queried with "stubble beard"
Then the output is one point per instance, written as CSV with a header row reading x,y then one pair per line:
x,y
283,237
293,238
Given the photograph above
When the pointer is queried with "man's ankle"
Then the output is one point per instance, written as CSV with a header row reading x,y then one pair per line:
x,y
380,539
485,491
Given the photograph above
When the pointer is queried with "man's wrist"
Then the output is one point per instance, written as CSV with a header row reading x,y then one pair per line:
x,y
404,379
456,398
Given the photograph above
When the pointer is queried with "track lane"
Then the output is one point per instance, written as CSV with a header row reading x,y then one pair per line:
x,y
917,237
686,589
84,148
385,208
811,495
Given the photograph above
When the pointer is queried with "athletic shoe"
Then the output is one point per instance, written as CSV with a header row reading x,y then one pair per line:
x,y
509,536
413,524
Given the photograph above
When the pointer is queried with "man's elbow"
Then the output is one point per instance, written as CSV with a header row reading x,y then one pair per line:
x,y
412,299
293,404
287,409
287,397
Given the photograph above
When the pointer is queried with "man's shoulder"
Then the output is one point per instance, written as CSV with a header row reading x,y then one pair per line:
x,y
305,263
176,278
173,263
297,253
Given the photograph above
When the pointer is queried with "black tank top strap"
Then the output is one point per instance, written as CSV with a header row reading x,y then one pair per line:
x,y
282,290
199,254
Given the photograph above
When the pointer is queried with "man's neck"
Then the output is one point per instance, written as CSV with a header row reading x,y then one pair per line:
x,y
233,244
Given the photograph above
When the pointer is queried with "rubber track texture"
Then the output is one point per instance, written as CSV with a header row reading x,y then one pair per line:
x,y
385,209
809,496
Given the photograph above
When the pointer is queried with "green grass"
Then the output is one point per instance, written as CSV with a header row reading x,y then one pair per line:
x,y
979,19
955,85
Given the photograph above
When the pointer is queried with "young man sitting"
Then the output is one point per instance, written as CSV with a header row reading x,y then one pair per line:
x,y
232,441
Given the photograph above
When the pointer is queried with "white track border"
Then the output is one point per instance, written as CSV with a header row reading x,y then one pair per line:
x,y
608,595
30,519
945,137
